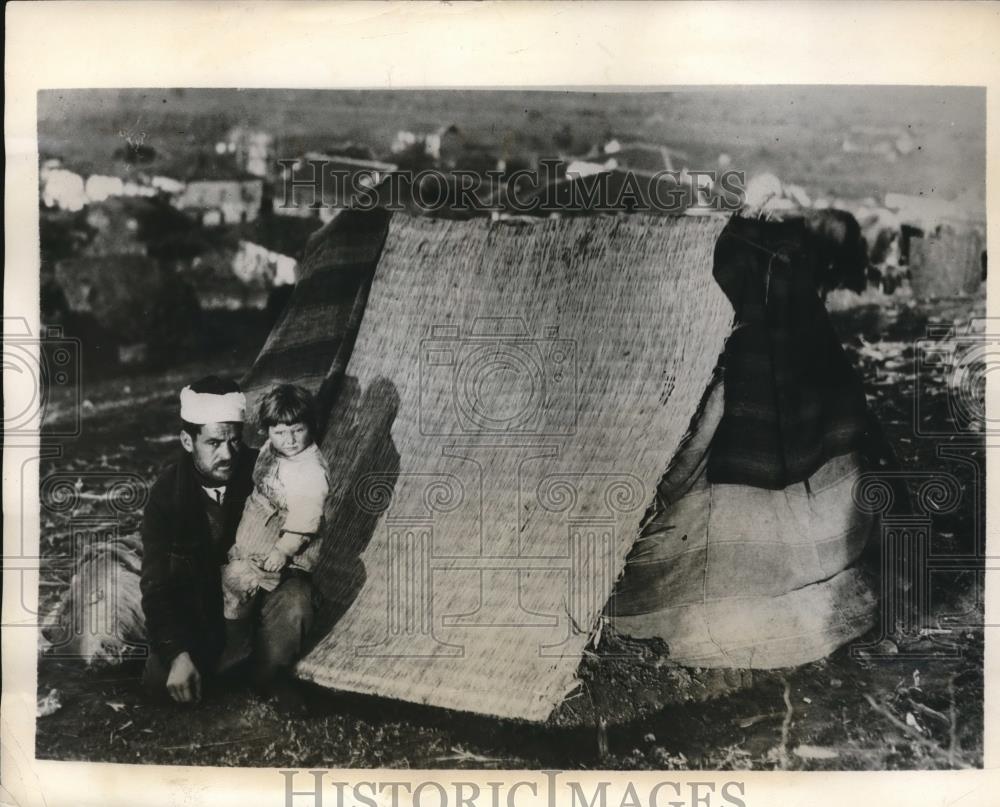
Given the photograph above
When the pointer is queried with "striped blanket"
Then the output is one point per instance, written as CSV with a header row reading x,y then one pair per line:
x,y
792,399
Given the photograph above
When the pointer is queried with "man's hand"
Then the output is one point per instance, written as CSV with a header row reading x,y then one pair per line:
x,y
274,561
184,681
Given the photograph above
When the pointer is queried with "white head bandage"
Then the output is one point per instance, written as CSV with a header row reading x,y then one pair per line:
x,y
204,407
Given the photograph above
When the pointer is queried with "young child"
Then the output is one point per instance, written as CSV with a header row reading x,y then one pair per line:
x,y
282,516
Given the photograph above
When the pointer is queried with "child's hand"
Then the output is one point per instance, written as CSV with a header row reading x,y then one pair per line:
x,y
274,561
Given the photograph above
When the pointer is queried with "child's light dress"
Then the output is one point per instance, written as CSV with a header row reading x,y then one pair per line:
x,y
289,494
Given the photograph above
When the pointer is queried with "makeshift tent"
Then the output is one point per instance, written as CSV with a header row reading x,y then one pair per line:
x,y
504,402
529,426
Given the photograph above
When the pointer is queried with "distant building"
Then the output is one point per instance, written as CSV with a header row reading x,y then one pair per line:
x,y
887,143
240,265
255,264
444,145
238,276
61,188
99,187
404,139
116,224
251,148
584,168
167,185
138,189
223,201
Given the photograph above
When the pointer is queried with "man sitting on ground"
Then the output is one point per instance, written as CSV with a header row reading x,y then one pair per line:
x,y
188,527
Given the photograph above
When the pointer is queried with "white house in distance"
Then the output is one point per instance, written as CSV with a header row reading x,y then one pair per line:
x,y
888,143
115,222
252,149
99,187
441,145
61,187
224,200
255,264
239,275
584,168
404,139
167,185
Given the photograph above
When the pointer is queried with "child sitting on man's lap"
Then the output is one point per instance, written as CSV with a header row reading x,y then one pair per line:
x,y
282,516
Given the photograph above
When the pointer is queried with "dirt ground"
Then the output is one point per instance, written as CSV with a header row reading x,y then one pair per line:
x,y
920,708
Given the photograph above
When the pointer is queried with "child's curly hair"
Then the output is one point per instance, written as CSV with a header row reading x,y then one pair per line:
x,y
287,404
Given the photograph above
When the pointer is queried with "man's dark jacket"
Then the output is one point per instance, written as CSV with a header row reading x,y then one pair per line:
x,y
181,563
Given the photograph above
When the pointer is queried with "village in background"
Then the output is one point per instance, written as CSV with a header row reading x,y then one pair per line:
x,y
166,235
